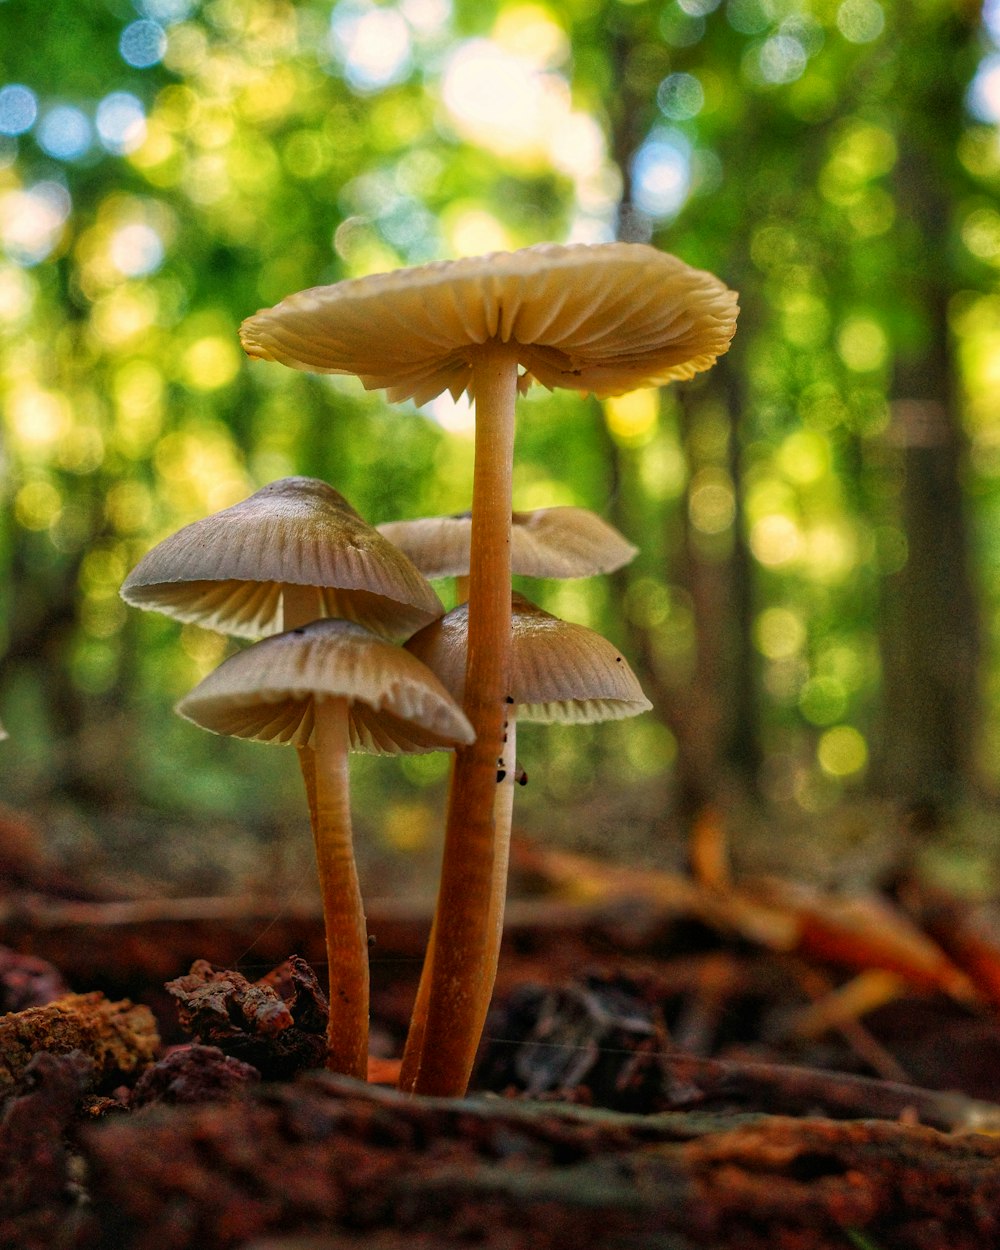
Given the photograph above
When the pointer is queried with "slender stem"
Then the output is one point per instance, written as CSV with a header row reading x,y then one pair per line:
x,y
503,811
343,912
299,606
461,961
461,589
502,818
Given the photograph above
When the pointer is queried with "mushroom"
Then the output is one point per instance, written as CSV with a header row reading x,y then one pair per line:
x,y
294,551
329,687
605,318
548,542
561,673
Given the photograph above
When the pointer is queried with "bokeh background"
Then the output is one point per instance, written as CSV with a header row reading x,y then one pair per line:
x,y
815,612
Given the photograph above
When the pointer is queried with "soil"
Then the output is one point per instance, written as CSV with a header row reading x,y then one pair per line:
x,y
672,1064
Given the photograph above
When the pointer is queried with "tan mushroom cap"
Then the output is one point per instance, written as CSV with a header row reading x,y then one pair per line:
x,y
226,571
549,542
605,317
268,691
560,672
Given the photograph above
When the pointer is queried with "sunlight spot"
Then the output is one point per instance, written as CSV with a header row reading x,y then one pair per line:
x,y
426,17
142,44
17,294
38,418
804,457
863,344
18,109
680,97
32,221
632,418
121,122
210,363
373,44
779,633
502,101
65,133
474,231
529,31
842,751
457,416
775,540
860,21
661,174
712,501
37,505
136,250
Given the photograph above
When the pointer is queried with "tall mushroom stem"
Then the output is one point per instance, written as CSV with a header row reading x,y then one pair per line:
x,y
343,912
461,963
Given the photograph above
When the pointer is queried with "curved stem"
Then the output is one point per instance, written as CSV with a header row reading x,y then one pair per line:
x,y
343,912
462,955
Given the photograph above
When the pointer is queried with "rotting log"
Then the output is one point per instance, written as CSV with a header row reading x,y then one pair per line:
x,y
327,1156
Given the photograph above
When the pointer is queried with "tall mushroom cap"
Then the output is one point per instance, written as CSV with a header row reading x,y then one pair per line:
x,y
560,672
590,317
548,542
226,571
268,690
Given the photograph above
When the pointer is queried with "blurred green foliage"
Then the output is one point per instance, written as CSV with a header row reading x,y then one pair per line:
x,y
169,167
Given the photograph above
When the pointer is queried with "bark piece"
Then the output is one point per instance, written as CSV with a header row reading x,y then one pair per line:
x,y
193,1074
277,1024
119,1037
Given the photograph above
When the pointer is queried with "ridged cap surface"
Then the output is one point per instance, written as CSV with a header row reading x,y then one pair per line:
x,y
226,571
606,317
267,692
560,672
549,542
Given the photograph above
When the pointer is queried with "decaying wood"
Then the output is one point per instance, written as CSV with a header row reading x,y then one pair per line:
x,y
328,1155
601,1041
276,1024
37,1204
119,1038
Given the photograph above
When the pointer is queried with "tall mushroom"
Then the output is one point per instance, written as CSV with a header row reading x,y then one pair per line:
x,y
328,687
561,673
548,542
605,318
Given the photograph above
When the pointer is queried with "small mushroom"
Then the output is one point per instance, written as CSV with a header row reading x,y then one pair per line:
x,y
330,687
548,542
605,318
294,551
561,673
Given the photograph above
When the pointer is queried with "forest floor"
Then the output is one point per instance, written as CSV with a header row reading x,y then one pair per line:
x,y
673,1060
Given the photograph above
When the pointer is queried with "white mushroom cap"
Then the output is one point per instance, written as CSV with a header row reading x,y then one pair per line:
x,y
549,542
606,318
560,672
267,692
226,571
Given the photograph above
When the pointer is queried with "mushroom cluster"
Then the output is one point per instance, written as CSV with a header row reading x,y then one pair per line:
x,y
604,318
296,567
